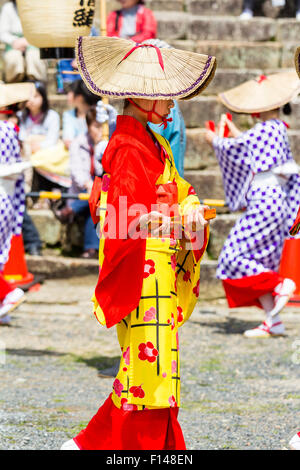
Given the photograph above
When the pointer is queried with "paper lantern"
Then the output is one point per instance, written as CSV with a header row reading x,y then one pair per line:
x,y
53,26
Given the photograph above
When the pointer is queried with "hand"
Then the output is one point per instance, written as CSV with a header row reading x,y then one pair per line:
x,y
156,222
194,220
67,143
74,64
88,186
234,131
20,44
209,136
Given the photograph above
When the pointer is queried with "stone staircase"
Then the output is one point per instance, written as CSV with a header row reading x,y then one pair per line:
x,y
244,49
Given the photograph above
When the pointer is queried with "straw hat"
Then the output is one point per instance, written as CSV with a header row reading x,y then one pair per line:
x,y
262,94
15,93
118,68
297,61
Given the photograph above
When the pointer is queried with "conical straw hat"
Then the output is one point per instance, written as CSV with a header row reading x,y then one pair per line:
x,y
15,93
146,71
297,61
262,94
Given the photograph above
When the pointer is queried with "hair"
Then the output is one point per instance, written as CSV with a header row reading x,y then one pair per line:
x,y
80,89
287,109
126,103
42,90
91,116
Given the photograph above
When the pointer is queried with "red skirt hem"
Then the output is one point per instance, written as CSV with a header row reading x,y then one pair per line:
x,y
245,292
115,429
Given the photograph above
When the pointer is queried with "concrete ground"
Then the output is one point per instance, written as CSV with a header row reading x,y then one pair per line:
x,y
236,393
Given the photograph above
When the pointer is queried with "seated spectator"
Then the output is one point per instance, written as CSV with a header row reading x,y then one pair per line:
x,y
133,21
21,60
86,153
74,120
39,131
63,78
31,236
248,8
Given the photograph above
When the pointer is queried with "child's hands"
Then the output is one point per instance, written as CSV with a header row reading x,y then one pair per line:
x,y
209,136
194,220
156,222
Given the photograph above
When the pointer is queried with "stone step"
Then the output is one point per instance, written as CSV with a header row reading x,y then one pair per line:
x,y
204,108
200,155
219,230
225,79
207,183
180,25
210,287
166,5
154,5
244,54
234,7
214,7
230,28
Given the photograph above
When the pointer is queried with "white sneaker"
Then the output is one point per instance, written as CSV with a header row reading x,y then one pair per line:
x,y
283,292
298,16
11,301
70,445
295,442
246,15
264,331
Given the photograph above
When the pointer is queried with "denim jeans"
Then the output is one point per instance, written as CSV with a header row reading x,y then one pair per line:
x,y
31,237
91,240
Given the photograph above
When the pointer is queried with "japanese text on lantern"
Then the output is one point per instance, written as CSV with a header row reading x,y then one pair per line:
x,y
85,13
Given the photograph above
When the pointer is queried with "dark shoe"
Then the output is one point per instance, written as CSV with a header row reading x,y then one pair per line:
x,y
65,215
110,372
90,254
34,250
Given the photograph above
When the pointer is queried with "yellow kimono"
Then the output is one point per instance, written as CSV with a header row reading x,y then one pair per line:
x,y
149,373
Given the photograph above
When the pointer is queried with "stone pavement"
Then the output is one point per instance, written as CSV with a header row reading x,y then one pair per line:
x,y
236,393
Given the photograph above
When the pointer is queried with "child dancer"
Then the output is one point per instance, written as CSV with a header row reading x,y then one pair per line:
x,y
260,176
147,286
12,195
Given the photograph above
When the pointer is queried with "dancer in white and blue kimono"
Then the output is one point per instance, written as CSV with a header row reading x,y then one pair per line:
x,y
12,206
260,177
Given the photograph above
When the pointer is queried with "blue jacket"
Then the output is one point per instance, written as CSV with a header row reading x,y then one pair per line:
x,y
175,133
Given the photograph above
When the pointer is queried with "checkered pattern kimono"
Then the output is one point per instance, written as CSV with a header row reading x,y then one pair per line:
x,y
254,244
11,208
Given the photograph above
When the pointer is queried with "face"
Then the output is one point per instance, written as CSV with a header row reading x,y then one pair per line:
x,y
34,104
128,3
162,107
80,104
95,131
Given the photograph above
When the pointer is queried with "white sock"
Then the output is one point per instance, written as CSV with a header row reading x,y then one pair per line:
x,y
271,320
267,302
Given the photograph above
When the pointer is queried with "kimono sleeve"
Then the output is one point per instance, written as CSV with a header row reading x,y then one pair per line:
x,y
121,277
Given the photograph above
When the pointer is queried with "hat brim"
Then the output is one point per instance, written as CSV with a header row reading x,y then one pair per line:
x,y
12,93
255,96
105,72
297,61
